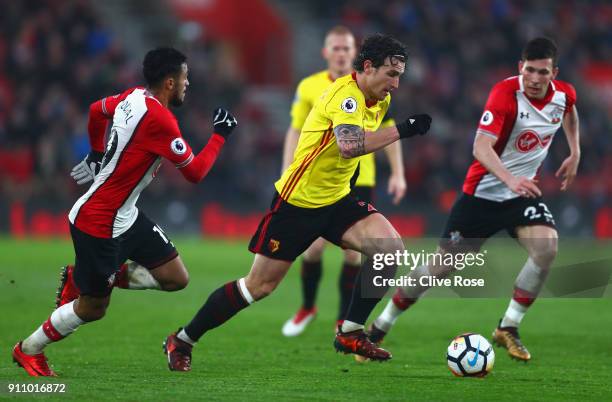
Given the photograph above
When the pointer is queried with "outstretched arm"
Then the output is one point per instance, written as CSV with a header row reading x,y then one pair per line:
x,y
353,141
195,168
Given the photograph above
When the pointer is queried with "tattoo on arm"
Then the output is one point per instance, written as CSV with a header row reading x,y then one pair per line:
x,y
351,140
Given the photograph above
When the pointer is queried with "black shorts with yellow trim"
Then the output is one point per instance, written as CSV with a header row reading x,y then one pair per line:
x,y
286,231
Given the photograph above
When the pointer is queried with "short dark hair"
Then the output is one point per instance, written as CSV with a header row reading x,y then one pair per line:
x,y
161,62
540,48
377,48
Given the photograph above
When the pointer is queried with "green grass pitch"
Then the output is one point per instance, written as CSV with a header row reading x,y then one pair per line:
x,y
120,357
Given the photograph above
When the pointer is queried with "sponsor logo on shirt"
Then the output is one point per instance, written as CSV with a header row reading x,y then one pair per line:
x,y
528,140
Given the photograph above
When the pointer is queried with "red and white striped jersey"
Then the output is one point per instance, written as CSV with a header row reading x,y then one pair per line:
x,y
143,131
524,129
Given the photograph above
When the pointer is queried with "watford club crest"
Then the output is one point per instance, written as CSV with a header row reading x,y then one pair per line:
x,y
273,245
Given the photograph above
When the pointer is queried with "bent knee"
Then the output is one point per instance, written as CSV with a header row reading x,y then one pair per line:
x,y
545,252
392,245
91,313
179,282
260,290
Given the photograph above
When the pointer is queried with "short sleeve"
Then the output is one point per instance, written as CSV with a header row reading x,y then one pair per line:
x,y
498,110
167,141
388,119
346,106
570,95
300,107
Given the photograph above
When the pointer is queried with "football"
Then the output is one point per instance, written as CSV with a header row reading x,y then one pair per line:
x,y
470,355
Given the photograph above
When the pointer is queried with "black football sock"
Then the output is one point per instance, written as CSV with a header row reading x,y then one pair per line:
x,y
222,304
311,276
365,295
346,284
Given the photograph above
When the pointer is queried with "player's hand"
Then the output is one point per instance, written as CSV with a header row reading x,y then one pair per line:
x,y
524,187
397,187
567,171
86,170
417,124
223,122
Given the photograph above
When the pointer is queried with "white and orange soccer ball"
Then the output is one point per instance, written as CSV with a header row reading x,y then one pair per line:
x,y
470,355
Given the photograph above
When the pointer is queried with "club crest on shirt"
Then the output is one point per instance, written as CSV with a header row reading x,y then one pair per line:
x,y
349,105
555,115
178,146
487,118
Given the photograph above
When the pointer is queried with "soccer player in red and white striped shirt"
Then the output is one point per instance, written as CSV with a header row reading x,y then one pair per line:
x,y
106,226
500,190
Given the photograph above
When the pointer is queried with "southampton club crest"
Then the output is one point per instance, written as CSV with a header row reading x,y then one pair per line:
x,y
555,115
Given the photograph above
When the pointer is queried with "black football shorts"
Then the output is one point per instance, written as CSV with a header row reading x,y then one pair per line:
x,y
286,231
97,260
363,193
472,220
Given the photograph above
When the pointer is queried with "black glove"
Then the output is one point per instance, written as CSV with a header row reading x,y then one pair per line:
x,y
223,122
417,124
88,168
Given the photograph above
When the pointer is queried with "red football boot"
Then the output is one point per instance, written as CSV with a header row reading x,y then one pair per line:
x,y
357,342
34,365
178,352
67,290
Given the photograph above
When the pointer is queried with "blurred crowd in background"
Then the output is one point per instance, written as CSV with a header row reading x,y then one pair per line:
x,y
56,57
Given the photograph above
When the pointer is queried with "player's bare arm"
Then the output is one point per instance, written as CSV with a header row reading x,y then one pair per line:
x,y
397,181
569,167
291,139
353,141
485,154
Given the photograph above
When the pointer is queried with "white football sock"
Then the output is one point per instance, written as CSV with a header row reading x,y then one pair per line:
x,y
182,335
391,312
64,320
349,326
514,314
139,278
388,317
414,292
532,277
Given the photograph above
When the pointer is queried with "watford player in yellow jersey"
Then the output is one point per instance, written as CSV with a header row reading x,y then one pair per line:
x,y
313,200
339,52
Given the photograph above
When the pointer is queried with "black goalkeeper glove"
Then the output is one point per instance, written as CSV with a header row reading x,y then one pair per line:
x,y
88,168
223,122
417,124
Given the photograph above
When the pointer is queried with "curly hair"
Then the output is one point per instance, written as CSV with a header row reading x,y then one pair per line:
x,y
377,48
160,63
